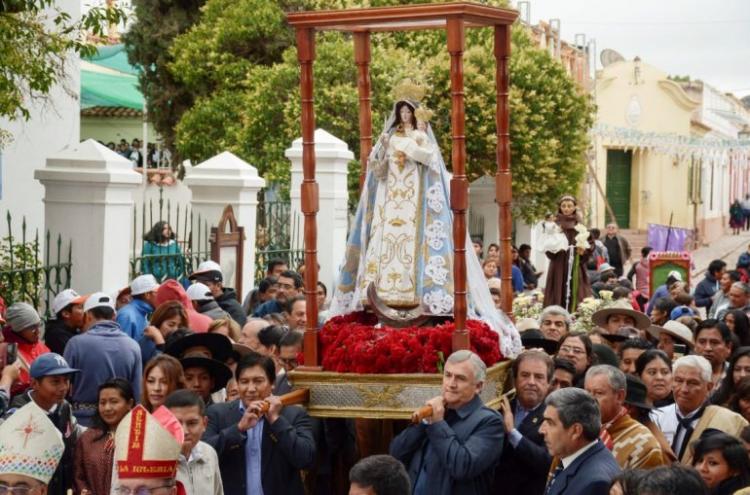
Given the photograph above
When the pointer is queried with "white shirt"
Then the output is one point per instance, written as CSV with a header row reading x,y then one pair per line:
x,y
666,419
200,473
567,461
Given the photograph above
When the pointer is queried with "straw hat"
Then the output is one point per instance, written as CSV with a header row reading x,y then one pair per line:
x,y
674,329
621,307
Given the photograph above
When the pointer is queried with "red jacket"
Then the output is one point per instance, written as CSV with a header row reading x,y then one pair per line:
x,y
171,290
27,353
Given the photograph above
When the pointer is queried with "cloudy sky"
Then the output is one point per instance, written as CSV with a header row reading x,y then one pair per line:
x,y
707,40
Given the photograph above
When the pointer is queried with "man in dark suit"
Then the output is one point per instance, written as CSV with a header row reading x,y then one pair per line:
x,y
260,451
581,464
454,452
525,461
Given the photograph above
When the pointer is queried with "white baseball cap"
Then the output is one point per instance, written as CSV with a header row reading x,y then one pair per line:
x,y
208,270
99,300
143,284
199,292
65,299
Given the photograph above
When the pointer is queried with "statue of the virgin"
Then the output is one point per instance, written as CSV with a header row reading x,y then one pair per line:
x,y
401,240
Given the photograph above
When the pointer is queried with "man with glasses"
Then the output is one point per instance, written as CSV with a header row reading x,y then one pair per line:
x,y
289,285
23,328
289,348
147,448
30,450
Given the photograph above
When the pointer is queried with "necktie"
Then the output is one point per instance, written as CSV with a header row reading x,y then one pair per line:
x,y
553,476
686,424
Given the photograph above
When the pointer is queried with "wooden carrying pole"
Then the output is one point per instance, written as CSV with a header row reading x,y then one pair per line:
x,y
459,183
362,59
306,56
503,190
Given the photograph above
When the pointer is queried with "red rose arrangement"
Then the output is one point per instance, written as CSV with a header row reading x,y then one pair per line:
x,y
352,344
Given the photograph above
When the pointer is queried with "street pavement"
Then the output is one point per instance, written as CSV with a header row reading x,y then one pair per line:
x,y
727,248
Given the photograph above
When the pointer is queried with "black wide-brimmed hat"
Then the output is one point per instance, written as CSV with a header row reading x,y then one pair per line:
x,y
636,394
219,371
533,339
219,345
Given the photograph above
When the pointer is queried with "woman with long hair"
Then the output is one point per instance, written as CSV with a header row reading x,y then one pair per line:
x,y
739,324
161,255
654,369
94,451
739,368
722,462
740,400
168,317
161,376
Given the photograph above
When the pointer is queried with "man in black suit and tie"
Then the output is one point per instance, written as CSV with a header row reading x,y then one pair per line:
x,y
581,463
525,461
260,453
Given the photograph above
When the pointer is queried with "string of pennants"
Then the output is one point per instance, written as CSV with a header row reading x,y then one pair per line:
x,y
675,145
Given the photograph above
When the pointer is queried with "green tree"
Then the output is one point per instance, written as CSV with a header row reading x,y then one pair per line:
x,y
157,23
36,39
257,116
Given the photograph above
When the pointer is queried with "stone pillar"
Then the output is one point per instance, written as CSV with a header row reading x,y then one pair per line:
x,y
222,180
332,157
482,204
89,199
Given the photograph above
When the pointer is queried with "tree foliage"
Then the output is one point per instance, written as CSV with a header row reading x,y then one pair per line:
x,y
36,39
157,23
249,104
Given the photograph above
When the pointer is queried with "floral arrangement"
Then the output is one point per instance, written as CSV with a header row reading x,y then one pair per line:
x,y
528,305
354,344
582,318
582,236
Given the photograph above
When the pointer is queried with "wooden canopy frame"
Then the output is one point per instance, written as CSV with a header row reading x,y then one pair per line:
x,y
455,18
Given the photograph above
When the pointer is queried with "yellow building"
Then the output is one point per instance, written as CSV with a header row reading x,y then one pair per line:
x,y
639,167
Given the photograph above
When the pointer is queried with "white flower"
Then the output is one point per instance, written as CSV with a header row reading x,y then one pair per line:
x,y
582,238
435,233
439,302
435,198
435,269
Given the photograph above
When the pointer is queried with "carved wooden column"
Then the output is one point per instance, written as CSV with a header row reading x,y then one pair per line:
x,y
362,59
309,193
503,190
459,183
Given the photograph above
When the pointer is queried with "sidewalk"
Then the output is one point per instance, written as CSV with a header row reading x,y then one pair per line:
x,y
727,248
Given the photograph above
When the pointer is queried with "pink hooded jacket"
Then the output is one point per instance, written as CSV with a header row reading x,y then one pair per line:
x,y
171,290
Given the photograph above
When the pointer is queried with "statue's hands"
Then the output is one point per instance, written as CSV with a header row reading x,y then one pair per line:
x,y
384,139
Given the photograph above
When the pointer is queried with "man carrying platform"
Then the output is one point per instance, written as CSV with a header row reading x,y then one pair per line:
x,y
454,452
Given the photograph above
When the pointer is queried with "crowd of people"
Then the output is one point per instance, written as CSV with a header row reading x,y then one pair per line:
x,y
159,389
156,156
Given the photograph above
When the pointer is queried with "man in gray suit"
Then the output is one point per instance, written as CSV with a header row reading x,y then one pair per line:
x,y
581,463
454,452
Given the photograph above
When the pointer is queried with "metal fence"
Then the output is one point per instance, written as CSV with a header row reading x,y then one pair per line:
x,y
278,236
25,277
177,261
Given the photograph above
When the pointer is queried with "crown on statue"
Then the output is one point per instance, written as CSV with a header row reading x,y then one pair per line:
x,y
409,90
423,114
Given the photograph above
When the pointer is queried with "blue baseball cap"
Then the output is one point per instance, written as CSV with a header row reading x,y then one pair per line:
x,y
50,364
680,311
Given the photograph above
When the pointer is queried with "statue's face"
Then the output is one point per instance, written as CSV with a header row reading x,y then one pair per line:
x,y
567,207
405,114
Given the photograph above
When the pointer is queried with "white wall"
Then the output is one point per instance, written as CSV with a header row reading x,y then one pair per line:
x,y
53,126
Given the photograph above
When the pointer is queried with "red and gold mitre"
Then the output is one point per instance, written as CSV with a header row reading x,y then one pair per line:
x,y
148,446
